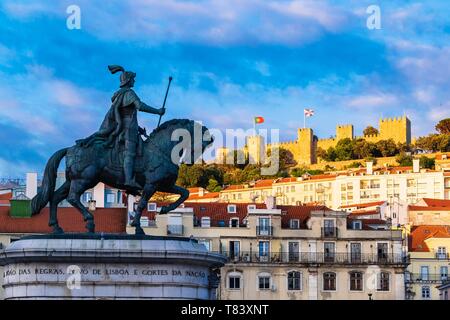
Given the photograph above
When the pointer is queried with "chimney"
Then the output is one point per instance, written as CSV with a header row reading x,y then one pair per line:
x,y
369,167
31,185
201,192
416,165
270,202
99,195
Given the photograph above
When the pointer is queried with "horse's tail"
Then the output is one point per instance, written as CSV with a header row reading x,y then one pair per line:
x,y
40,200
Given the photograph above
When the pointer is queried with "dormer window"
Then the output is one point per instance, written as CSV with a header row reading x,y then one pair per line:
x,y
231,208
357,225
294,224
206,222
151,206
251,207
234,223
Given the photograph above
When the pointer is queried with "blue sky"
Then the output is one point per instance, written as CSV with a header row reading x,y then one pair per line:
x,y
231,60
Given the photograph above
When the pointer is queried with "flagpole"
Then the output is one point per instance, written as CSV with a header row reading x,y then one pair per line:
x,y
254,126
304,120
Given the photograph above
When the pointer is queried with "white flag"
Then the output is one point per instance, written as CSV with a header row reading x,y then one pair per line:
x,y
308,112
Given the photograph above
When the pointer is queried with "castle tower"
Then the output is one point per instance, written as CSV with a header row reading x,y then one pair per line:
x,y
306,147
344,131
397,129
256,149
221,155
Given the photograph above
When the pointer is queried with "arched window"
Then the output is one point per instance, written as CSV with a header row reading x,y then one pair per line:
x,y
234,281
294,280
356,281
383,281
329,281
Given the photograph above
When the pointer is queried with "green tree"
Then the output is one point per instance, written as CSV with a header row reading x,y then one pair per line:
x,y
364,149
213,185
434,143
426,162
344,149
404,160
443,126
370,131
387,148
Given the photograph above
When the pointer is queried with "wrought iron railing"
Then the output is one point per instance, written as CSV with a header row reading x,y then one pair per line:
x,y
329,232
424,277
264,230
315,258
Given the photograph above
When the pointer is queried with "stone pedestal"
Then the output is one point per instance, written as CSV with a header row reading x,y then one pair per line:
x,y
95,266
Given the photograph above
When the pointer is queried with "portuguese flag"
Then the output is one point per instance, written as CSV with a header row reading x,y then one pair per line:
x,y
259,120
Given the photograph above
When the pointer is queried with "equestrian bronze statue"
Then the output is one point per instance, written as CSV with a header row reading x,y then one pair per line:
x,y
118,156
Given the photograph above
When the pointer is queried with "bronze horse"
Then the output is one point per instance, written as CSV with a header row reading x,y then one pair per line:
x,y
88,165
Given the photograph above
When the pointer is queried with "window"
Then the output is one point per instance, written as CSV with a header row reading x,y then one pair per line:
x,y
234,223
234,249
206,222
382,251
110,198
234,281
442,253
294,223
294,280
355,252
294,254
356,281
357,225
426,292
329,281
87,196
231,208
263,249
424,273
444,273
151,206
251,206
383,281
264,281
292,188
329,250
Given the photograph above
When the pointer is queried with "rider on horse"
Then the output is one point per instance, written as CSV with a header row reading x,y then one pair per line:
x,y
121,121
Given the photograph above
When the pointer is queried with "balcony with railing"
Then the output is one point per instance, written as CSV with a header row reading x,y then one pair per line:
x,y
175,229
426,277
309,258
264,231
442,255
329,232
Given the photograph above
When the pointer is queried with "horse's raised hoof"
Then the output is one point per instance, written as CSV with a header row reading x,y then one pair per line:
x,y
139,231
57,230
90,226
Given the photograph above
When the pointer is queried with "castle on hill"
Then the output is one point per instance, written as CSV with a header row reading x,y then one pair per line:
x,y
304,148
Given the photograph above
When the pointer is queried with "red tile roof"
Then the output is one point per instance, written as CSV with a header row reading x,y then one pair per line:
x,y
6,196
218,211
111,220
437,202
423,208
363,205
364,212
419,234
209,195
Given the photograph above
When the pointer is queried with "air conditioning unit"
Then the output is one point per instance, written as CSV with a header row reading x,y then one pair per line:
x,y
246,258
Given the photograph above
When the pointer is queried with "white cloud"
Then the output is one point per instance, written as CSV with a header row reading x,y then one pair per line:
x,y
372,100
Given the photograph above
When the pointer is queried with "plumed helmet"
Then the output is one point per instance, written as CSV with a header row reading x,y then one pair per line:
x,y
125,77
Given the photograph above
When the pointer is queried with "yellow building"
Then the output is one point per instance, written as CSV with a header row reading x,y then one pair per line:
x,y
291,252
429,261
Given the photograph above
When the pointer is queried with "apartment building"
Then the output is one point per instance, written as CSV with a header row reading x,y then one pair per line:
x,y
427,273
291,252
399,186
